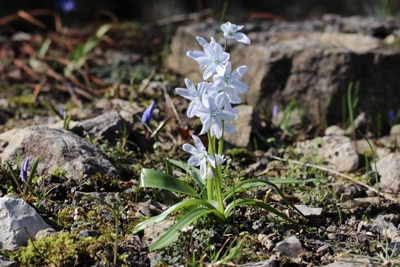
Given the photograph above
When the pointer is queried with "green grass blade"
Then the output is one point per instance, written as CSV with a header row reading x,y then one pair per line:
x,y
155,179
173,233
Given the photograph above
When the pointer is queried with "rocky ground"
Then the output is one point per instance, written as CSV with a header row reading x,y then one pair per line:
x,y
83,201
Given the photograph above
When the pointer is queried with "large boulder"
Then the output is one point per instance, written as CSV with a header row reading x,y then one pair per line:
x,y
55,149
312,62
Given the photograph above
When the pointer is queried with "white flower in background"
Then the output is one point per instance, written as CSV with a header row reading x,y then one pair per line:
x,y
211,59
200,156
231,32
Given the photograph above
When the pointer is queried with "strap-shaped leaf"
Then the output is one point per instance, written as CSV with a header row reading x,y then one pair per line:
x,y
155,179
192,171
252,202
252,183
173,233
243,187
188,203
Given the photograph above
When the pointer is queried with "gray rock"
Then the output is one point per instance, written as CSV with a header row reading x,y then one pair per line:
x,y
290,246
395,130
19,222
289,122
56,149
307,62
266,263
385,227
388,168
334,130
245,125
4,262
309,211
336,150
45,233
105,125
351,262
153,231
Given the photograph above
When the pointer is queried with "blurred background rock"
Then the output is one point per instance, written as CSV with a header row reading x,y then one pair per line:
x,y
151,10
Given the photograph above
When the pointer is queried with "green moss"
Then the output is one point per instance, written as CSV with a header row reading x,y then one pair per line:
x,y
62,249
22,100
59,172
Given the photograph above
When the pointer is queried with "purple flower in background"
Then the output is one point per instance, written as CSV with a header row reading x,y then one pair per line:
x,y
392,116
61,111
275,111
148,113
24,171
66,5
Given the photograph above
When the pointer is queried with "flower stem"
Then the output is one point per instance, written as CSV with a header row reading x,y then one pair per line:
x,y
210,182
217,182
218,188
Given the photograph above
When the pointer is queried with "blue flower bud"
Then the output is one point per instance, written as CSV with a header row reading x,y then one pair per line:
x,y
61,111
148,113
24,171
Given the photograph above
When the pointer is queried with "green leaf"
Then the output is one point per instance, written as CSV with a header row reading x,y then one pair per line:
x,y
291,180
155,179
192,171
173,233
252,202
252,183
103,29
243,187
189,203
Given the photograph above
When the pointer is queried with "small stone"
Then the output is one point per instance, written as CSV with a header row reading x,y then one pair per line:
x,y
265,241
334,130
4,262
385,227
267,263
19,223
388,168
45,233
395,130
322,249
290,246
309,211
346,196
351,262
89,233
332,236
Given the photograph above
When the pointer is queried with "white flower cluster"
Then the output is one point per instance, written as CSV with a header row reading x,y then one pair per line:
x,y
211,101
